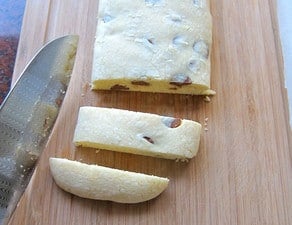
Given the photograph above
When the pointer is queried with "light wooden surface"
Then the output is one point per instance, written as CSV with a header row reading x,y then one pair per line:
x,y
242,173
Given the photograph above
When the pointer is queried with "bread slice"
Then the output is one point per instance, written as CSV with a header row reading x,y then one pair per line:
x,y
137,133
103,183
153,46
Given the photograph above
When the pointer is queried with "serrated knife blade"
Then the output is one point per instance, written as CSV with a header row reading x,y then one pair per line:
x,y
27,116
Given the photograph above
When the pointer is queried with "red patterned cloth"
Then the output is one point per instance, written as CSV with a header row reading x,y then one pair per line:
x,y
11,13
8,48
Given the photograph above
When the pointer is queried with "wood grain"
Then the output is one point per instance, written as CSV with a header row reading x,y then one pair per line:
x,y
242,173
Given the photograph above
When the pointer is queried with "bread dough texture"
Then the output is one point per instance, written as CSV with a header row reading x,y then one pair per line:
x,y
103,183
137,133
153,46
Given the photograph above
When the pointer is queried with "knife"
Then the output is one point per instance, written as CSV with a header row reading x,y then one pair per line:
x,y
27,116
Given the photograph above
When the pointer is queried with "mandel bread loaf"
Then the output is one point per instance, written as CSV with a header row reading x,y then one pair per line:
x,y
153,46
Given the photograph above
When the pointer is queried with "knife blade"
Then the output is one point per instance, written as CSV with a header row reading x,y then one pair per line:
x,y
27,116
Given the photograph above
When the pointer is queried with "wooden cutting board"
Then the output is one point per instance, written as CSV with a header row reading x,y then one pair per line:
x,y
242,173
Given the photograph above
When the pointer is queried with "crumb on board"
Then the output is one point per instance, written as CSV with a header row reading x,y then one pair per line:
x,y
207,98
206,124
181,160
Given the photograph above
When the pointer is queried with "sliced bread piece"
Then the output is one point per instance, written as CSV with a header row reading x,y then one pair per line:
x,y
103,183
137,133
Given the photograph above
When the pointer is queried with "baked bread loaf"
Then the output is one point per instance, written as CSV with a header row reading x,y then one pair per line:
x,y
153,46
103,183
137,133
